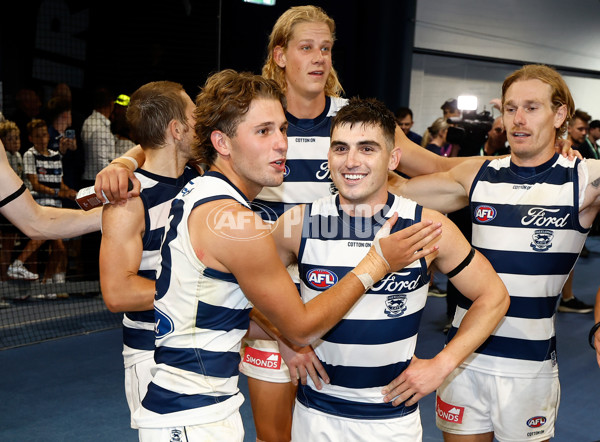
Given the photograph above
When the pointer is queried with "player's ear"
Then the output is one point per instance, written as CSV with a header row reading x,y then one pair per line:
x,y
395,155
560,115
220,141
279,57
176,130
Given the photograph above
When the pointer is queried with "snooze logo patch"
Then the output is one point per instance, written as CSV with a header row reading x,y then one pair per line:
x,y
262,359
321,278
449,412
485,214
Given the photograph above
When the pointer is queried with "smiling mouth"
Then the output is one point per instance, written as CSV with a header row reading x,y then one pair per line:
x,y
520,134
353,176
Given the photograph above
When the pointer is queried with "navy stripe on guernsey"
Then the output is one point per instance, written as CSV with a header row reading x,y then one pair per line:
x,y
198,360
526,223
156,195
201,317
307,175
374,342
385,410
165,401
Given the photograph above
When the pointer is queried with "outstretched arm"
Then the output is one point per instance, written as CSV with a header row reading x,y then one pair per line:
x,y
39,222
478,281
120,257
248,251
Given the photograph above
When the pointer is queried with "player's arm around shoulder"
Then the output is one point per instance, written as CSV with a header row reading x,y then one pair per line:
x,y
444,191
120,257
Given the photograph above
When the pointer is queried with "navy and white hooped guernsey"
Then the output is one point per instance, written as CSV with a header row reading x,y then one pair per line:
x,y
375,341
201,315
526,223
157,192
307,175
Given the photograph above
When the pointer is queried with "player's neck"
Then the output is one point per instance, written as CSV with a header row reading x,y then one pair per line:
x,y
249,188
305,106
534,160
167,162
365,208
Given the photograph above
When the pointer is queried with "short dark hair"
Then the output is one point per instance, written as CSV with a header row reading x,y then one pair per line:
x,y
402,112
581,115
152,107
55,107
367,112
594,124
450,103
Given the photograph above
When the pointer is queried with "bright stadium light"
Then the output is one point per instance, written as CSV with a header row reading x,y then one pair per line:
x,y
467,102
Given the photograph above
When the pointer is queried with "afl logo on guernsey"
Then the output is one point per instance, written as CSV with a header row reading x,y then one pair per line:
x,y
321,278
485,214
286,172
536,422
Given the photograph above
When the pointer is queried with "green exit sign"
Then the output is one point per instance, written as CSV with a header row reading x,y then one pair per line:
x,y
261,2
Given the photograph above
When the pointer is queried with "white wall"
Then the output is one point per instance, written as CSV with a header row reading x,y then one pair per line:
x,y
556,32
553,32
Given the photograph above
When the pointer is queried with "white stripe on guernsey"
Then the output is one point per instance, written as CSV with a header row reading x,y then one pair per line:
x,y
372,305
584,175
145,181
296,192
308,150
518,328
541,193
520,239
211,340
137,324
339,248
187,382
537,285
159,215
365,395
357,355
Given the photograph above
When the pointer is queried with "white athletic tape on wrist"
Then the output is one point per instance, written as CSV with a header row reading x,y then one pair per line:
x,y
384,232
365,279
133,161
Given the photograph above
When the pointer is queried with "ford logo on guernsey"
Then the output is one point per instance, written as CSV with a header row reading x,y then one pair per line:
x,y
536,422
485,214
163,325
321,278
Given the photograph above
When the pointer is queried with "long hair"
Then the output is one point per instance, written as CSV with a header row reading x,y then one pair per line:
x,y
282,34
432,131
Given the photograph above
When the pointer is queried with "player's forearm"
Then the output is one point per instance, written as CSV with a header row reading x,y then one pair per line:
x,y
127,293
40,222
323,312
479,322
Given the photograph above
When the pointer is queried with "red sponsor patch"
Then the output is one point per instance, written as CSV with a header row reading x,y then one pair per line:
x,y
449,412
264,359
